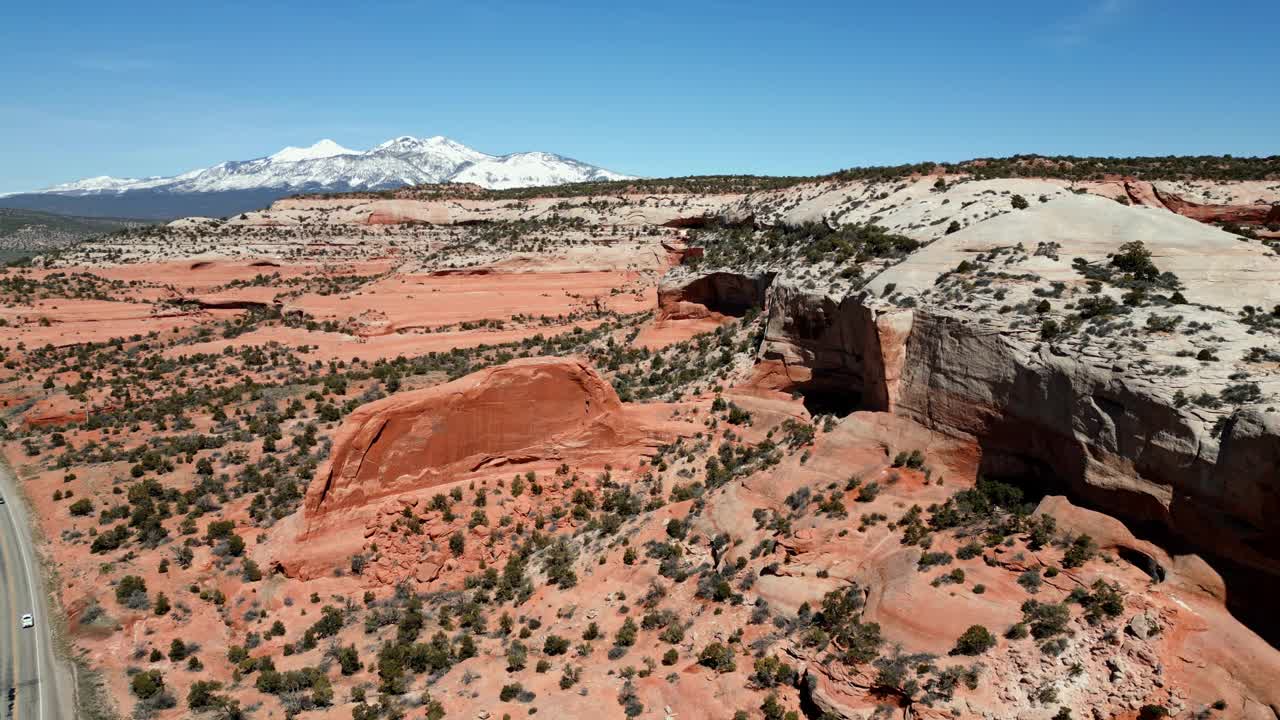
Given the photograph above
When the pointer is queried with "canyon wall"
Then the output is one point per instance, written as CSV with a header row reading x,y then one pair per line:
x,y
1107,433
684,294
1111,439
815,344
1114,440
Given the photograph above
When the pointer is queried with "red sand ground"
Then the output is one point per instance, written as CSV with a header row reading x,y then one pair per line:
x,y
540,420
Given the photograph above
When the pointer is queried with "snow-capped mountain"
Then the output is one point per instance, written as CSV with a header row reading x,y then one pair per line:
x,y
323,149
529,170
326,166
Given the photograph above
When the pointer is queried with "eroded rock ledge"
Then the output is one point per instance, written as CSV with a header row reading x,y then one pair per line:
x,y
1144,193
1112,438
684,294
534,410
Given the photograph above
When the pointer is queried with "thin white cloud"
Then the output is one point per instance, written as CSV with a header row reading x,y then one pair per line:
x,y
1081,28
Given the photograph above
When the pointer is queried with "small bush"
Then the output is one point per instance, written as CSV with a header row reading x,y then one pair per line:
x,y
1081,551
974,641
868,492
147,684
132,592
718,657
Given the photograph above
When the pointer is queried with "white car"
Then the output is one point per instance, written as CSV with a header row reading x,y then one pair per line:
x,y
28,621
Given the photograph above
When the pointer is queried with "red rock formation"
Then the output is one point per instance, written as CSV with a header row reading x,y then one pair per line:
x,y
54,420
55,411
1141,192
683,295
493,417
814,345
690,303
527,411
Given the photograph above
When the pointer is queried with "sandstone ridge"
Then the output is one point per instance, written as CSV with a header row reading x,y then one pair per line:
x,y
528,411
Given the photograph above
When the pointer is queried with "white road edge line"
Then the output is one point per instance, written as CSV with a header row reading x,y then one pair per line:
x,y
34,589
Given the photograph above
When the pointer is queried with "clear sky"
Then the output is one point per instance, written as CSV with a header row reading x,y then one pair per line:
x,y
651,88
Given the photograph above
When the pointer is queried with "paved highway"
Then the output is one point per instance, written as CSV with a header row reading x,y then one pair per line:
x,y
34,684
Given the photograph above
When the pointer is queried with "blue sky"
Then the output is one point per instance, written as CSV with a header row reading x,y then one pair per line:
x,y
651,88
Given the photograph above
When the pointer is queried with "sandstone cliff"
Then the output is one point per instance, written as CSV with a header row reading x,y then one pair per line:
x,y
684,295
1112,438
1149,195
950,337
527,412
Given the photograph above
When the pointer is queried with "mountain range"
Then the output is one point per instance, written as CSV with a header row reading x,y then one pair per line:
x,y
239,185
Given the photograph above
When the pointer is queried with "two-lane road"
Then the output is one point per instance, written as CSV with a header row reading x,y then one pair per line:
x,y
33,683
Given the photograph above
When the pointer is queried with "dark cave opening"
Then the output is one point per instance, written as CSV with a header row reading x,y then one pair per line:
x,y
1250,597
1143,562
1248,590
1029,474
696,222
728,293
825,397
808,706
1038,480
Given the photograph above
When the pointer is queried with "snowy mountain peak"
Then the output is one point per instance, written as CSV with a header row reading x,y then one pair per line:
x,y
322,149
327,166
531,169
101,182
403,142
437,146
411,141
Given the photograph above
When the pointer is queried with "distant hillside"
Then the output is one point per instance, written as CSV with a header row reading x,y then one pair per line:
x,y
29,231
153,205
1064,167
1221,168
437,168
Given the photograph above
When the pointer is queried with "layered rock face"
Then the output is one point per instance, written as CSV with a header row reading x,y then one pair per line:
x,y
1110,439
493,417
684,295
1146,194
818,345
1086,415
526,411
1087,426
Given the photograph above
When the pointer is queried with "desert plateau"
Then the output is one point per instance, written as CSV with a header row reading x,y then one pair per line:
x,y
987,440
639,361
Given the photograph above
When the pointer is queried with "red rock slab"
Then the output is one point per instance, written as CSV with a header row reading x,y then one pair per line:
x,y
339,346
526,411
62,321
423,301
56,410
1144,193
658,334
199,273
